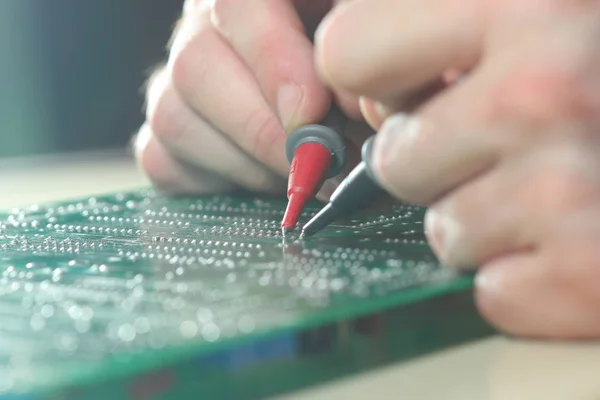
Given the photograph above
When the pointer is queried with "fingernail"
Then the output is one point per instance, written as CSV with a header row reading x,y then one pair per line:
x,y
488,280
432,229
141,139
289,96
394,132
369,113
443,233
382,111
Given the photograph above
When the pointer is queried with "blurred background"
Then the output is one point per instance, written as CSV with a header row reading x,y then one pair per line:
x,y
72,71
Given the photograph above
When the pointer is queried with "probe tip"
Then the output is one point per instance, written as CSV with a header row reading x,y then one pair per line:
x,y
292,212
320,220
308,170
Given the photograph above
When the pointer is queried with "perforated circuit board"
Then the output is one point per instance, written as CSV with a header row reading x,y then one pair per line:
x,y
105,288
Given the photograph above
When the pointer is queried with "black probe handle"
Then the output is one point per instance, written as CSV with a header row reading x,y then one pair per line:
x,y
357,191
360,188
335,119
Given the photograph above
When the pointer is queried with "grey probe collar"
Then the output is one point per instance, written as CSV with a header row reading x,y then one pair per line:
x,y
323,135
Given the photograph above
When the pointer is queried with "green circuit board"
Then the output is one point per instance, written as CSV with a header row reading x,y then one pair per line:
x,y
140,295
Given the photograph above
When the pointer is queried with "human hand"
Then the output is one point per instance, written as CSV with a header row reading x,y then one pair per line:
x,y
507,158
239,75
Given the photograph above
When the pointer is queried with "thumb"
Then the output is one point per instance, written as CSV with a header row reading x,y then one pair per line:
x,y
274,44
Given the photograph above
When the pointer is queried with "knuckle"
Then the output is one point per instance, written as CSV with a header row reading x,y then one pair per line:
x,y
159,106
573,263
159,121
337,62
582,274
265,39
354,79
585,275
546,94
163,124
558,191
221,9
151,169
344,73
181,66
189,57
270,46
151,85
150,160
262,182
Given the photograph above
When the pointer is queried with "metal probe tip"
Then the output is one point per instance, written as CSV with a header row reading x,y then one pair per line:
x,y
285,230
320,220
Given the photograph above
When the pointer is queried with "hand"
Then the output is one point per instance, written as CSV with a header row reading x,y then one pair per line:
x,y
239,75
507,158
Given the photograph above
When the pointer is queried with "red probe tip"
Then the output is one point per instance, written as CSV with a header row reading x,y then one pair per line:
x,y
292,212
307,172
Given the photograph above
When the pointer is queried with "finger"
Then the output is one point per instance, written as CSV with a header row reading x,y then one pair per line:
x,y
171,175
225,93
274,45
373,112
414,43
514,206
502,107
349,104
551,293
480,221
419,158
194,140
377,112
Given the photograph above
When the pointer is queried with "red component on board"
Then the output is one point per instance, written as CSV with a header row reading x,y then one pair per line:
x,y
307,172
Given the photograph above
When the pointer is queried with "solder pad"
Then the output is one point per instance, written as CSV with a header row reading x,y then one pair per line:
x,y
134,294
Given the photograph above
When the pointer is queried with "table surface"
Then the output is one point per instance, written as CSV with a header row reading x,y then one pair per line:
x,y
492,369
